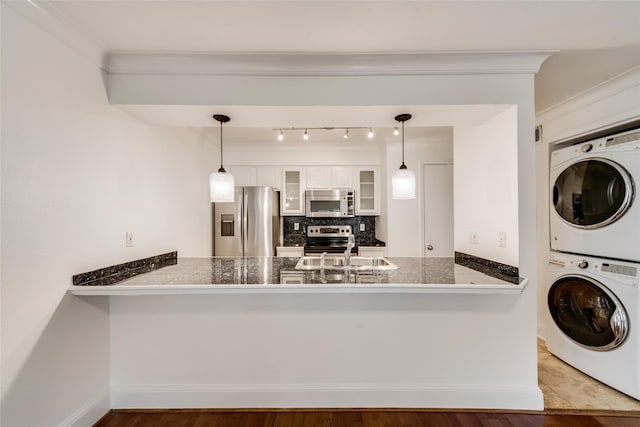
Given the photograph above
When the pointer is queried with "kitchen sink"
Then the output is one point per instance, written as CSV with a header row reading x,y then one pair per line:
x,y
338,263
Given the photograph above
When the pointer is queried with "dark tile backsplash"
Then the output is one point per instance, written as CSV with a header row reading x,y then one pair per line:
x,y
293,237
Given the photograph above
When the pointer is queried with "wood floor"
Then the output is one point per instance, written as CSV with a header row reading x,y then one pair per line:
x,y
571,399
359,418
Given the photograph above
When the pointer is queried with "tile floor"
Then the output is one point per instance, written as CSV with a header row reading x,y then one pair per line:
x,y
565,387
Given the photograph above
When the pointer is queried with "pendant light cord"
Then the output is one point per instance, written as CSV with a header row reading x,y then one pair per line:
x,y
221,167
403,166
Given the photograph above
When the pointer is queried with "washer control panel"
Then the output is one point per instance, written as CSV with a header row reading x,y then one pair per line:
x,y
618,271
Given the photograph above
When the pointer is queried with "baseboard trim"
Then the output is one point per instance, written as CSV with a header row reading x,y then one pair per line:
x,y
457,396
89,413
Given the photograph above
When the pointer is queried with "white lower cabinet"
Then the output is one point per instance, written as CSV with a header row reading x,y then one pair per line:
x,y
290,251
373,251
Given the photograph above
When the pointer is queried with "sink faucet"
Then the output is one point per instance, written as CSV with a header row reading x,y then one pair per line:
x,y
351,242
322,255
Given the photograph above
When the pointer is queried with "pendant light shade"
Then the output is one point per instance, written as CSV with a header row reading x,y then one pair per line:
x,y
403,181
403,184
221,183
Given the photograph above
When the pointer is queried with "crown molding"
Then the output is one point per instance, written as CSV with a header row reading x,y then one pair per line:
x,y
46,15
620,83
328,64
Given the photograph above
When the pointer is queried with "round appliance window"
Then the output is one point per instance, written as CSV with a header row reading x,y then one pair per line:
x,y
588,313
592,193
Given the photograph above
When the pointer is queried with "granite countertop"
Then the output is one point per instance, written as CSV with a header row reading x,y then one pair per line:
x,y
277,274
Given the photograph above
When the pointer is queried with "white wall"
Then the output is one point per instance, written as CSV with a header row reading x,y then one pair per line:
x,y
486,187
404,217
77,174
321,350
611,103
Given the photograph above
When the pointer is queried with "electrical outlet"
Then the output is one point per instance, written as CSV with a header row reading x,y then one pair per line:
x,y
502,239
296,226
361,226
129,239
473,237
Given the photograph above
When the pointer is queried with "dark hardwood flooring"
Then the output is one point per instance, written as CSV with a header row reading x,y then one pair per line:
x,y
362,418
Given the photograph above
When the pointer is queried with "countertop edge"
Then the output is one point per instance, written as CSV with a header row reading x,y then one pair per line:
x,y
190,289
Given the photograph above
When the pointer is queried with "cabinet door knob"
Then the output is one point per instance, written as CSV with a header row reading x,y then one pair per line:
x,y
429,247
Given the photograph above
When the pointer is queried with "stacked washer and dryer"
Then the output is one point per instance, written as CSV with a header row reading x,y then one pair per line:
x,y
593,316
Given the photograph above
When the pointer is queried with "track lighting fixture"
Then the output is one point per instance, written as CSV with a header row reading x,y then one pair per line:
x,y
403,181
221,183
305,135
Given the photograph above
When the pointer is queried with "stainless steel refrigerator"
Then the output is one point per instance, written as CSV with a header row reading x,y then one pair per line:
x,y
250,226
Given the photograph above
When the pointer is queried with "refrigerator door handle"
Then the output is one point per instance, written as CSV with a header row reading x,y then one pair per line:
x,y
245,223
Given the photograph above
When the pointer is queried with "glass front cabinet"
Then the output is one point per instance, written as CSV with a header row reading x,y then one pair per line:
x,y
292,194
367,190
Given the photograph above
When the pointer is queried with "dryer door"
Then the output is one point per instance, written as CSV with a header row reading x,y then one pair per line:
x,y
592,193
588,312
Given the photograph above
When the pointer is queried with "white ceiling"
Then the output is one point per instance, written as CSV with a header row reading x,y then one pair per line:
x,y
254,125
596,40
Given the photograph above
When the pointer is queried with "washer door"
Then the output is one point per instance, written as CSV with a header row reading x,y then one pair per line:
x,y
592,193
588,313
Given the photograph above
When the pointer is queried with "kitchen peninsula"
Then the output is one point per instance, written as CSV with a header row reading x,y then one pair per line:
x,y
275,274
255,332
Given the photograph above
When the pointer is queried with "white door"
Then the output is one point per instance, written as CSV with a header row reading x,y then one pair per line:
x,y
438,210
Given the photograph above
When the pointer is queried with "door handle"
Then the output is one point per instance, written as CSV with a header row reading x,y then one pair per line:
x,y
429,247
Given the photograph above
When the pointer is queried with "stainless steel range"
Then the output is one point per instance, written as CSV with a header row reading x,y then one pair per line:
x,y
332,239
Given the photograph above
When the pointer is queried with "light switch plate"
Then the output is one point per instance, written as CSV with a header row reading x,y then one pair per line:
x,y
296,226
129,239
502,239
362,227
473,237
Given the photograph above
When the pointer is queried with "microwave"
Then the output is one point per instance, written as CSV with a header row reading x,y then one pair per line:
x,y
329,203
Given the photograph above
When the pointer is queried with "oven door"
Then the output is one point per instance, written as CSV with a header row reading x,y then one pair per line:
x,y
592,193
587,312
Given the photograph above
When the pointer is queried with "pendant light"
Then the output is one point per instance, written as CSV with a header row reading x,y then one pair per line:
x,y
221,183
403,181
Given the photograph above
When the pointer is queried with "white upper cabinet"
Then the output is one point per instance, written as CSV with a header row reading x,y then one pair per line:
x,y
329,177
367,190
292,191
293,181
318,177
243,175
341,177
271,176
